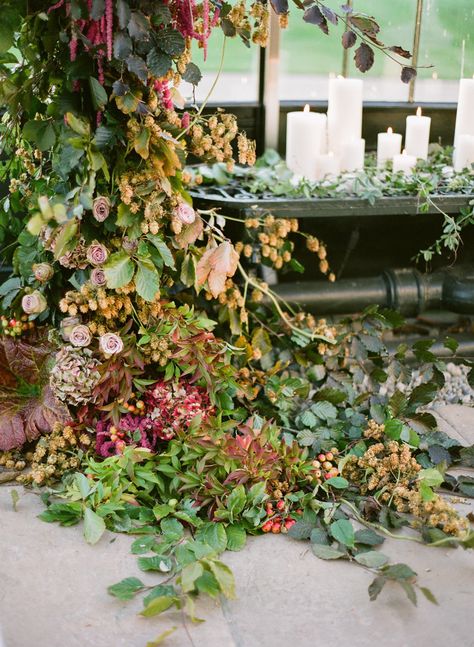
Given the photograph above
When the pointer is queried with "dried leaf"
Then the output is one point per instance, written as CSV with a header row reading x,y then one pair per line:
x,y
396,49
215,266
364,57
408,73
349,39
329,14
190,233
314,16
280,7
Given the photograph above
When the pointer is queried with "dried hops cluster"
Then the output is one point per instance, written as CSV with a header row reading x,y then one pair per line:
x,y
74,375
314,245
108,305
272,236
55,454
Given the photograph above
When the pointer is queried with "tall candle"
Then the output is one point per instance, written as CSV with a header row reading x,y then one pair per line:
x,y
464,157
404,162
352,155
465,112
305,138
344,112
389,144
326,166
417,136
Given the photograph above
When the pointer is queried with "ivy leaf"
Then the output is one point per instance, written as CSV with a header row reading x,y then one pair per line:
x,y
98,94
147,280
364,57
343,532
137,66
349,39
122,47
138,26
94,526
123,12
314,16
236,500
192,74
376,587
214,535
126,589
170,41
119,270
224,577
372,559
236,537
408,74
158,62
326,552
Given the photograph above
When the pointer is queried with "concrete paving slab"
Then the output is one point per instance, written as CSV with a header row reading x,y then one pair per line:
x,y
457,421
53,594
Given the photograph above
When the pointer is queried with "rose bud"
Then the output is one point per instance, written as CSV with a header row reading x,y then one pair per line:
x,y
43,272
34,303
101,208
185,213
98,279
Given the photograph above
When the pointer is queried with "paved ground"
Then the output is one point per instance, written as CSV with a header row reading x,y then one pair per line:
x,y
53,590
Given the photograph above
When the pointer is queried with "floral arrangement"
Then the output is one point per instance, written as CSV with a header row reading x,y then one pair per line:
x,y
144,360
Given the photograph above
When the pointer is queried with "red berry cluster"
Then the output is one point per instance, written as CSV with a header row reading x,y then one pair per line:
x,y
279,519
15,327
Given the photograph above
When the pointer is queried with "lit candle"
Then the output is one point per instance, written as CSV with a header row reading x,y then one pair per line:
x,y
417,136
464,152
305,138
465,112
326,166
389,144
344,112
353,155
404,162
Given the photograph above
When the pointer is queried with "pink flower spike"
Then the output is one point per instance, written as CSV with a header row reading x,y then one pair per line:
x,y
56,6
73,49
109,14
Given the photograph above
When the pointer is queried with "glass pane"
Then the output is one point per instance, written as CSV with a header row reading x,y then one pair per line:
x,y
308,56
447,43
238,80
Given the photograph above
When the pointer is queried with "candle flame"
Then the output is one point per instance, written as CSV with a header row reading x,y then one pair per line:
x,y
418,112
306,108
330,154
390,130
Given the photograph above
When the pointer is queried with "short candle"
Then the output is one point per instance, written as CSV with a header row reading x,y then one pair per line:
x,y
464,157
417,136
404,162
389,144
306,134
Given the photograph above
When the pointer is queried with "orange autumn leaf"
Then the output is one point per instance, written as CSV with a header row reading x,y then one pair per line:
x,y
216,264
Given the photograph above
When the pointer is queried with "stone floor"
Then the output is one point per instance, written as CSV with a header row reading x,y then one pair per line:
x,y
53,590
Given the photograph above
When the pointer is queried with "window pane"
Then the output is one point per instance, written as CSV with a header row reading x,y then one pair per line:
x,y
239,78
446,43
308,56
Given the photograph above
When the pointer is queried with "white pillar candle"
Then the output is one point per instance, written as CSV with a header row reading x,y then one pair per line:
x,y
465,112
305,138
417,136
353,155
464,157
326,166
389,144
344,112
404,162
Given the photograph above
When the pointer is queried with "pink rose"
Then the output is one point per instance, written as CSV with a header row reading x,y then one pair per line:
x,y
67,325
110,344
97,254
80,336
34,303
185,213
98,277
42,272
101,208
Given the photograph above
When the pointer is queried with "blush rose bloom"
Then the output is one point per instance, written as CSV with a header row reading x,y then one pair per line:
x,y
185,213
67,325
110,344
98,277
101,208
43,272
34,303
80,336
97,254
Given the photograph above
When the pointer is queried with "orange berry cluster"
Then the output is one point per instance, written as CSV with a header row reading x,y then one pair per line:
x,y
278,520
325,466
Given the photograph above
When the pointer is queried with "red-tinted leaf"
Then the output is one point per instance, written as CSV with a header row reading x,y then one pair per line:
x,y
396,49
190,233
41,413
364,57
280,7
408,73
349,39
374,39
329,14
314,16
25,361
